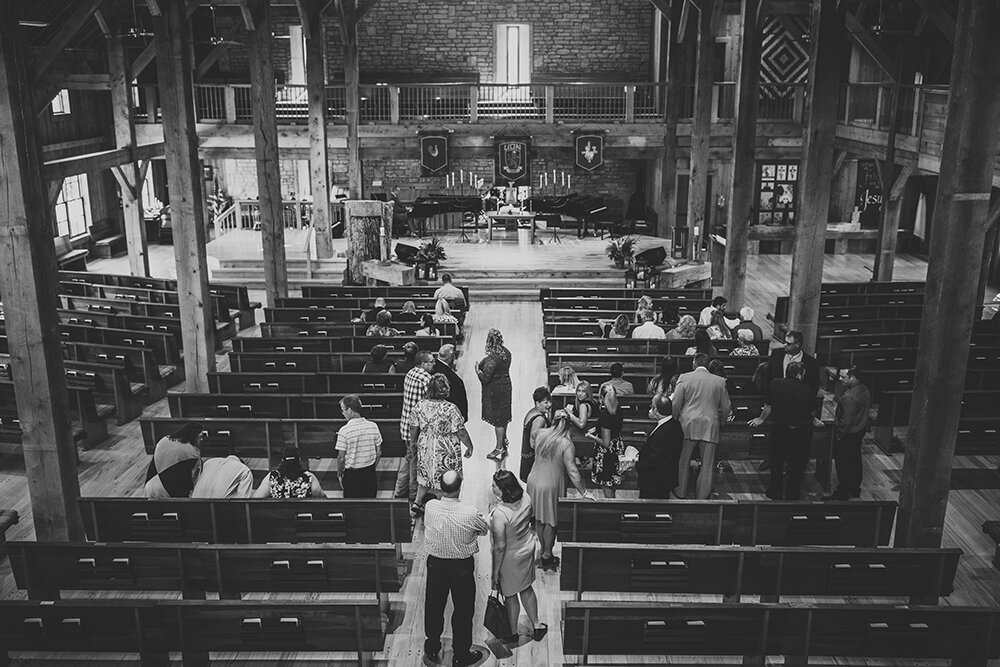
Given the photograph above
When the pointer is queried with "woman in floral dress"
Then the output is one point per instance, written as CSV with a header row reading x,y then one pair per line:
x,y
438,428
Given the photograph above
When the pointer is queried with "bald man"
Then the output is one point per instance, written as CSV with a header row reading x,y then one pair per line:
x,y
451,536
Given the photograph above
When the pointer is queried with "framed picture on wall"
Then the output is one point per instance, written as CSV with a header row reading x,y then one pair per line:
x,y
207,172
777,192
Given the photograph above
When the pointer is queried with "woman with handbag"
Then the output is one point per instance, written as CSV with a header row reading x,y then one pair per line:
x,y
514,545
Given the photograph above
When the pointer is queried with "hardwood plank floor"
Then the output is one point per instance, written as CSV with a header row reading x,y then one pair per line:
x,y
117,467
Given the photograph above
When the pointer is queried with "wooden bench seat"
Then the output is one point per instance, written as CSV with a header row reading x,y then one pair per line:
x,y
623,305
247,521
742,522
393,304
867,326
842,300
225,327
636,406
111,246
85,409
586,315
372,292
163,346
335,329
337,344
659,348
153,629
305,383
623,293
44,569
289,406
646,364
267,438
921,575
325,362
736,384
67,257
961,634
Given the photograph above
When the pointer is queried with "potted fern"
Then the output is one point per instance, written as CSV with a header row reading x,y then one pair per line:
x,y
622,250
429,257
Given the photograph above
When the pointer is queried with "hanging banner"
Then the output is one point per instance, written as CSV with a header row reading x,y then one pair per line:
x,y
433,153
589,150
513,167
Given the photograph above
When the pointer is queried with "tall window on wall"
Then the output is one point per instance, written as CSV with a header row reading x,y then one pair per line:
x,y
297,61
73,207
513,53
777,192
60,103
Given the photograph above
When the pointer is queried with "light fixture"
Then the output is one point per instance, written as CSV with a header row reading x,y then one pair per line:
x,y
34,24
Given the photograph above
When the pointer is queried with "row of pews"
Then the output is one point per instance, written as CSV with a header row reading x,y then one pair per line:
x,y
812,570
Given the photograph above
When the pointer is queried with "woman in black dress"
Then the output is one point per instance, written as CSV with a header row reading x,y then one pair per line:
x,y
494,373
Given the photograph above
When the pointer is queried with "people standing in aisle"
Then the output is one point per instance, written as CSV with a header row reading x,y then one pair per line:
x,y
555,460
514,544
851,421
494,374
606,470
701,403
414,386
777,369
451,538
535,420
438,429
657,467
445,363
790,406
359,448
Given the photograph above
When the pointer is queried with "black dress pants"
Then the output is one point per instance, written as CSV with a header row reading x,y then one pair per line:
x,y
456,577
788,444
847,455
360,482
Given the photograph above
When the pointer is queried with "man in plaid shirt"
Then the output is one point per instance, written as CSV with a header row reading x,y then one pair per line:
x,y
414,386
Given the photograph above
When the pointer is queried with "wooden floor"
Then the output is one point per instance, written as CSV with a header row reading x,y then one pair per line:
x,y
117,467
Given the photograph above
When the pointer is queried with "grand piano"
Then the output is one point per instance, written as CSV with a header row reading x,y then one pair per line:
x,y
427,207
583,208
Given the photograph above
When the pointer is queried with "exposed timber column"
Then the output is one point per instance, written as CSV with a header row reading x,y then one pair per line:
x,y
128,174
311,15
28,283
958,232
187,200
349,19
828,40
741,194
701,130
265,140
667,214
890,172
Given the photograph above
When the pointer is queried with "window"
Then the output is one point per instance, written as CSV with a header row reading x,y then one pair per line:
x,y
60,103
297,60
513,53
73,207
777,185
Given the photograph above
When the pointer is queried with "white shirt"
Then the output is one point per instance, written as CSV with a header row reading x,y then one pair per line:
x,y
789,359
449,291
649,330
705,318
452,528
664,420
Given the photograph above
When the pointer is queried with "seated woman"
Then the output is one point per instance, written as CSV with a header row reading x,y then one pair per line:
x,y
665,382
225,477
718,329
442,313
684,330
746,347
427,327
377,363
381,326
644,305
620,328
176,464
567,382
290,480
702,345
409,313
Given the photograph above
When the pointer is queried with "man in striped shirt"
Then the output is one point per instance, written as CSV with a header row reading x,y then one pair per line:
x,y
414,386
359,447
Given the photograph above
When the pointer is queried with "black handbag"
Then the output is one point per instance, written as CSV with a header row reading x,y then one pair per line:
x,y
496,619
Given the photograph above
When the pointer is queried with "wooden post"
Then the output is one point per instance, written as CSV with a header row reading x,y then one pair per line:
x,y
367,227
701,129
957,236
131,190
349,30
187,200
311,12
28,283
815,174
666,214
741,194
885,251
265,139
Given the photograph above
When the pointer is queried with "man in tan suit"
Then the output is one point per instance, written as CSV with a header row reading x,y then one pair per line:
x,y
701,402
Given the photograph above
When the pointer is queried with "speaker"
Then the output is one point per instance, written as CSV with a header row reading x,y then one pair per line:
x,y
407,254
653,256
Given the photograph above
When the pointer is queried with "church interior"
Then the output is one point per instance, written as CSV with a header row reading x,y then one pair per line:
x,y
240,218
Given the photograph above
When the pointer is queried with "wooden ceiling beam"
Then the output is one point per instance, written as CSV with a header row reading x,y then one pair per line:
x,y
663,6
154,7
682,24
100,161
867,42
77,81
67,31
939,16
247,15
148,53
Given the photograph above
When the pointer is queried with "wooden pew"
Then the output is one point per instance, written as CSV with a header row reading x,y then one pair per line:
x,y
659,348
290,406
922,575
44,569
716,522
593,315
874,287
636,406
623,305
980,356
736,384
247,521
83,406
163,345
623,293
829,347
225,326
844,299
152,629
373,292
648,364
962,634
393,304
305,383
270,329
867,326
338,344
267,438
298,362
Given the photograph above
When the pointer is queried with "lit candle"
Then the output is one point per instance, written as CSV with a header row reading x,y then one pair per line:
x,y
541,180
569,180
563,175
553,177
461,176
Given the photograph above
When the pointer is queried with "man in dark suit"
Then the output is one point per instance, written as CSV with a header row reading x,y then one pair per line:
x,y
777,367
657,466
445,363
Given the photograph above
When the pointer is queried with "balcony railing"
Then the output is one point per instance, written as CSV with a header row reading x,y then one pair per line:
x,y
869,105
